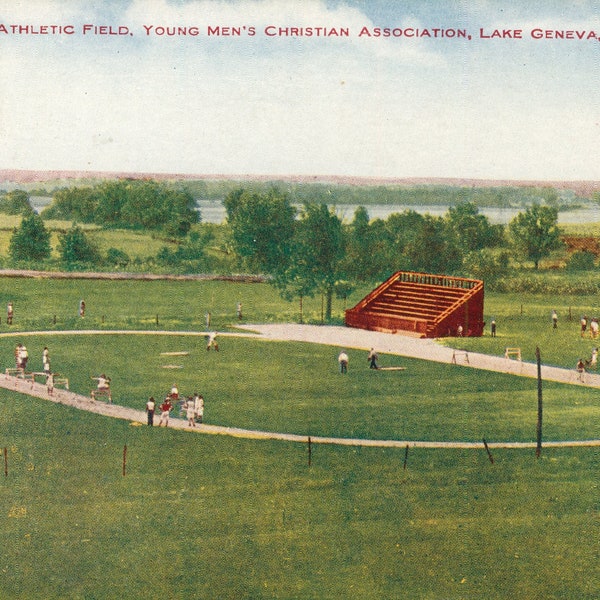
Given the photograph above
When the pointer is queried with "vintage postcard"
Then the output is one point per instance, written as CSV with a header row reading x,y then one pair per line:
x,y
299,299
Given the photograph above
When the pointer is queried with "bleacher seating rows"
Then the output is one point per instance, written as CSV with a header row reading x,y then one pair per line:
x,y
406,301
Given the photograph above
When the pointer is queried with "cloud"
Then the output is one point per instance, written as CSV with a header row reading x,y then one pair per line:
x,y
292,105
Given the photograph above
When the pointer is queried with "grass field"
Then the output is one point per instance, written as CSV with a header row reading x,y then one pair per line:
x,y
212,517
200,516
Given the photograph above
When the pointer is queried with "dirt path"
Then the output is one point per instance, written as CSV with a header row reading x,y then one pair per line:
x,y
336,336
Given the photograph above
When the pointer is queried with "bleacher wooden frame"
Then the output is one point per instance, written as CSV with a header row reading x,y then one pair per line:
x,y
422,304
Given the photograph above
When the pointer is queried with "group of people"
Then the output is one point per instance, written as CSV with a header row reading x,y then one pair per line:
x,y
593,325
192,405
343,360
22,358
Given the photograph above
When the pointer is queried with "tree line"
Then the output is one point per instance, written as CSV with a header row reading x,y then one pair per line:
x,y
304,251
312,251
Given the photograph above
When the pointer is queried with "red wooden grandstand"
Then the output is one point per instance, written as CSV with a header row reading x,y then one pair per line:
x,y
422,304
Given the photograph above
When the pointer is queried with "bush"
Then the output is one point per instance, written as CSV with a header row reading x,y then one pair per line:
x,y
117,257
582,260
76,249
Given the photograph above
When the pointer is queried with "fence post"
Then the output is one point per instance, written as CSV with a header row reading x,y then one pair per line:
x,y
488,451
538,450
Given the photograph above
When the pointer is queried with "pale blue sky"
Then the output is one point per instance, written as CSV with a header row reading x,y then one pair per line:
x,y
260,105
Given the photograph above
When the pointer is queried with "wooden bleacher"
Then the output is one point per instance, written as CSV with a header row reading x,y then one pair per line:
x,y
422,304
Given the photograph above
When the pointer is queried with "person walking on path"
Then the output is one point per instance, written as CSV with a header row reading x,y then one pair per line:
x,y
150,405
165,410
581,369
373,359
343,360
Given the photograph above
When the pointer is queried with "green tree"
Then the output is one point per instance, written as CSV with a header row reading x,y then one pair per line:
x,y
366,256
15,202
472,230
535,232
73,204
433,248
402,230
31,240
128,203
262,228
318,254
75,247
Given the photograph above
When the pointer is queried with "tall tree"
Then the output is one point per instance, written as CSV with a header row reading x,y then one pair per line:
x,y
535,232
319,251
262,228
31,240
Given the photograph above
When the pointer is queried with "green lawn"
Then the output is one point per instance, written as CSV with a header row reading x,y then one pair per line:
x,y
295,388
215,517
524,321
201,516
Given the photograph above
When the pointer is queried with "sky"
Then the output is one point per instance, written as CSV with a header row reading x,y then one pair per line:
x,y
516,104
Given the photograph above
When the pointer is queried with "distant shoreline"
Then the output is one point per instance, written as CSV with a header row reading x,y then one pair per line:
x,y
24,176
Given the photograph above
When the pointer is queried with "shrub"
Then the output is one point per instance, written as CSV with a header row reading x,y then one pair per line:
x,y
117,257
582,260
76,248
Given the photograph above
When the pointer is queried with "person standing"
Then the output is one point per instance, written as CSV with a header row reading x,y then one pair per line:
x,y
150,405
199,407
493,327
554,320
594,328
82,308
583,321
373,359
23,357
594,358
190,412
212,341
50,383
10,311
238,310
46,360
165,409
343,360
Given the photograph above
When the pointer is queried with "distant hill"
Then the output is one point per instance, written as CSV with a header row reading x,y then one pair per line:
x,y
15,176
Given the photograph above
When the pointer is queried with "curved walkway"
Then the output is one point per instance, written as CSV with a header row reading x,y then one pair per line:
x,y
336,336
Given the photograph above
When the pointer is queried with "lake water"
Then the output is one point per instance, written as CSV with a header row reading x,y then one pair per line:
x,y
213,211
